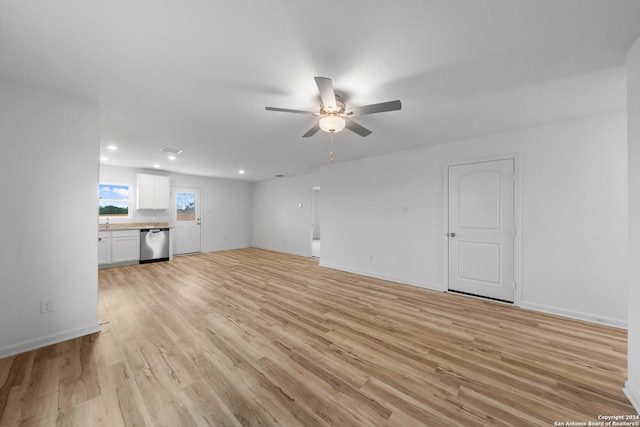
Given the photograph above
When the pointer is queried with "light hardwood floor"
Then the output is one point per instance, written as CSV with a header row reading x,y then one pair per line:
x,y
251,337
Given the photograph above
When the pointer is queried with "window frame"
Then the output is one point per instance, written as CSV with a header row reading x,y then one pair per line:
x,y
115,202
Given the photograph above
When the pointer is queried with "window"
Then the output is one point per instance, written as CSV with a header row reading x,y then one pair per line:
x,y
114,200
185,206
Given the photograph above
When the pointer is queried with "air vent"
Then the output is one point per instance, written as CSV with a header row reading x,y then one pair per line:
x,y
170,150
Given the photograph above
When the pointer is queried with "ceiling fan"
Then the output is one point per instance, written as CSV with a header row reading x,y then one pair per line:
x,y
335,115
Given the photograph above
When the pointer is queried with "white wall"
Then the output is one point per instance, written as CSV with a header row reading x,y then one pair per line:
x,y
279,223
49,171
226,205
364,227
383,216
632,386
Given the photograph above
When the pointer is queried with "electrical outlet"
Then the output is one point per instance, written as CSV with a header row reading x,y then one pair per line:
x,y
46,306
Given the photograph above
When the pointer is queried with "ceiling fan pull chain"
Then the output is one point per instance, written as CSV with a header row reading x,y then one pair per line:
x,y
331,149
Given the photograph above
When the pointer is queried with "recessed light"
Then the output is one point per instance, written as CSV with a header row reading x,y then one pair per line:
x,y
104,159
112,147
240,171
156,165
172,157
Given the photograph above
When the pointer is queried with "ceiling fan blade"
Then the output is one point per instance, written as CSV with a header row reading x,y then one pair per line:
x,y
312,131
374,108
287,110
328,96
354,127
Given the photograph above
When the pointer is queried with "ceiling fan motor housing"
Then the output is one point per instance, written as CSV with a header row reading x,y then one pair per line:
x,y
338,112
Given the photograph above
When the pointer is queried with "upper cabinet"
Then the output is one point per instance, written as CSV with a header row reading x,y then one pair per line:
x,y
153,192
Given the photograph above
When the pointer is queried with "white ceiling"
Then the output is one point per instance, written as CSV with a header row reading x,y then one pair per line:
x,y
197,74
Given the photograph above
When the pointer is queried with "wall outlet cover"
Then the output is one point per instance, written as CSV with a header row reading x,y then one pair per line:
x,y
46,306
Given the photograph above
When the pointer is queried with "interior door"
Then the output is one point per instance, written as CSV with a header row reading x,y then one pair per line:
x,y
186,220
482,229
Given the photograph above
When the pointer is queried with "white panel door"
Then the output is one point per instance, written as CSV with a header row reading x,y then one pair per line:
x,y
186,220
481,229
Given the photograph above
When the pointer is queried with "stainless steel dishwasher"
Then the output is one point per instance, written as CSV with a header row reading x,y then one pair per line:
x,y
154,245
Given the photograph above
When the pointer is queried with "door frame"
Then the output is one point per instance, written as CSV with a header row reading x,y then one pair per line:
x,y
312,209
517,260
172,214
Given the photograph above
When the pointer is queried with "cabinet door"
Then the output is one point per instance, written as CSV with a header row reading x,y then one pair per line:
x,y
145,194
125,246
162,188
104,248
152,192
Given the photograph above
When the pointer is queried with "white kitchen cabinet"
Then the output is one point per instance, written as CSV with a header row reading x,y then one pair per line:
x,y
118,247
125,246
152,192
104,247
162,192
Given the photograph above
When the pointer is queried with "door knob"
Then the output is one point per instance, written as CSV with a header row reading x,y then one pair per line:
x,y
452,234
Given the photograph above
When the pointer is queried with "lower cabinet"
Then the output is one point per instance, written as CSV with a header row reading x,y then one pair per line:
x,y
125,246
118,247
104,248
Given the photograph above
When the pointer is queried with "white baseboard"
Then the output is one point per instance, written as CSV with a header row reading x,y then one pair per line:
x,y
633,394
594,318
395,279
225,248
267,248
40,342
589,317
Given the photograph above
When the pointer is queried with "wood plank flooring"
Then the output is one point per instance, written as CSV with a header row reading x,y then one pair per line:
x,y
252,337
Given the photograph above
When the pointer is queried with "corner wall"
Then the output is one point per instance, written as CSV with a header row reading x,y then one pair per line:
x,y
632,387
383,216
49,171
279,222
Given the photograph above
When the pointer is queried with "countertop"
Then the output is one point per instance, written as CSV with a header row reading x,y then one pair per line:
x,y
133,226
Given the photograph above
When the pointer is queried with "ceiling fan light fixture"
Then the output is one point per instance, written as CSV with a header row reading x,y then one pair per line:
x,y
332,124
333,111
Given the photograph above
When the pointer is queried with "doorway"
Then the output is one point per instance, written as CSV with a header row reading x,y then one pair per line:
x,y
185,216
315,222
482,229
